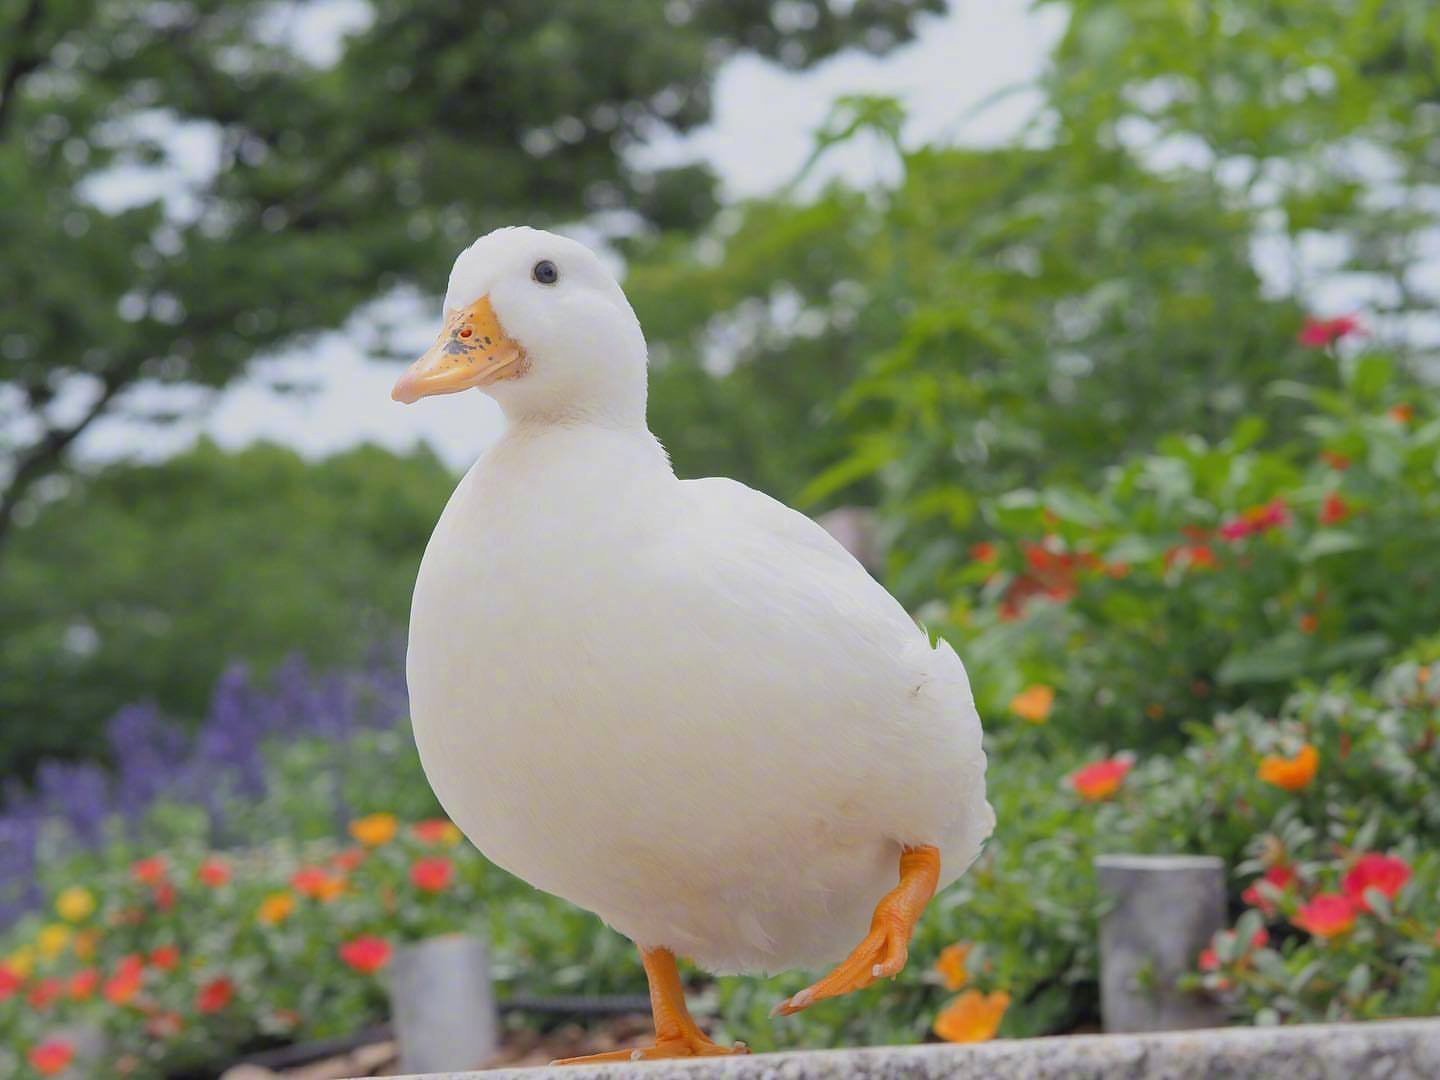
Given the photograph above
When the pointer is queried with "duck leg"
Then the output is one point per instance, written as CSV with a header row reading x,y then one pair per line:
x,y
676,1033
885,949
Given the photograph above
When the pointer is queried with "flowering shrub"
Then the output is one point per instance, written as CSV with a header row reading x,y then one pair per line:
x,y
1209,576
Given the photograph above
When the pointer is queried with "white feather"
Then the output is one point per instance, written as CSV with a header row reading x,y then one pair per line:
x,y
678,704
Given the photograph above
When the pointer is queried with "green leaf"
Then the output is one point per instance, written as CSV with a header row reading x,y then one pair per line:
x,y
1331,542
1276,660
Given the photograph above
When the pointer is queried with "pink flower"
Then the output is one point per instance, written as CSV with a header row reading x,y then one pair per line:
x,y
1386,874
366,955
1318,333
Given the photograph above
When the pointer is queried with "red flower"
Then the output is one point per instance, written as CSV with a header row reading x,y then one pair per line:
x,y
122,986
1318,333
10,982
366,955
164,1025
432,875
1280,876
317,884
1336,460
151,871
348,860
1385,873
1335,510
51,1057
984,552
83,984
166,957
1257,519
437,831
1191,556
164,896
214,873
1100,780
215,995
1327,915
45,992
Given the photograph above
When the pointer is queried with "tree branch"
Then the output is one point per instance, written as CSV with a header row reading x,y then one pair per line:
x,y
46,454
26,59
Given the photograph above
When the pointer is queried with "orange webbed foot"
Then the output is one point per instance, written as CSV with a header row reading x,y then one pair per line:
x,y
886,947
676,1033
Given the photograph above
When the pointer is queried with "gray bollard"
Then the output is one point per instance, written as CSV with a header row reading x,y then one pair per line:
x,y
1161,911
443,1004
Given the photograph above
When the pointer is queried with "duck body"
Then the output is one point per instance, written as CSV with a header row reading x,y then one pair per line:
x,y
680,704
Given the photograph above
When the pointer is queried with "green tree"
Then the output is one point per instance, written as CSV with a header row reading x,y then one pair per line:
x,y
144,581
330,183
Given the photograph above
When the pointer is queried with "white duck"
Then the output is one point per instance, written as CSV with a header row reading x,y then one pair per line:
x,y
677,703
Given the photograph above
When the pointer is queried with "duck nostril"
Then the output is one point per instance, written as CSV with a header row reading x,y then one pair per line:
x,y
466,332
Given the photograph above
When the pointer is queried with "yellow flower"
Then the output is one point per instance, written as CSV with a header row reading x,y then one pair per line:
x,y
1034,703
374,829
22,961
1292,774
85,943
972,1017
275,908
52,940
951,965
75,904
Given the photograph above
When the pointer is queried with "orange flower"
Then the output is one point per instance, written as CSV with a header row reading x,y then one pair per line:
x,y
275,908
951,965
1309,622
1034,703
151,871
315,883
215,995
366,955
1292,774
214,873
436,831
432,875
374,829
166,958
51,1057
1336,460
86,942
1100,780
984,552
1402,413
83,984
972,1017
1327,915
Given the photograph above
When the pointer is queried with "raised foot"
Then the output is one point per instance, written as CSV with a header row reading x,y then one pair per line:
x,y
883,953
663,1048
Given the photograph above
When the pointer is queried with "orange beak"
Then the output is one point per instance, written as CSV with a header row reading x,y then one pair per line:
x,y
472,350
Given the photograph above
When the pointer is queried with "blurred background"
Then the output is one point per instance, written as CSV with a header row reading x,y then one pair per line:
x,y
1106,330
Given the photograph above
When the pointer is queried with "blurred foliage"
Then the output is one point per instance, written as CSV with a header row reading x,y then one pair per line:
x,y
1039,310
143,581
1204,576
205,190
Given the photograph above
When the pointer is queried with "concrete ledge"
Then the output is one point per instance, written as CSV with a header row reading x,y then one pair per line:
x,y
1393,1050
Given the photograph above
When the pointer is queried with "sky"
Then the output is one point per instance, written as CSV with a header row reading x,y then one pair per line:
x,y
760,135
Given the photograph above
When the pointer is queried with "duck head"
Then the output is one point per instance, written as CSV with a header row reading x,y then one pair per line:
x,y
537,322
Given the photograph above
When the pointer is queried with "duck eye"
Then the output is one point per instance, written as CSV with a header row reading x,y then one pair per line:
x,y
545,272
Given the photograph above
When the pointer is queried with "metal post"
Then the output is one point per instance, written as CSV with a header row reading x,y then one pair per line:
x,y
443,1004
1160,912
